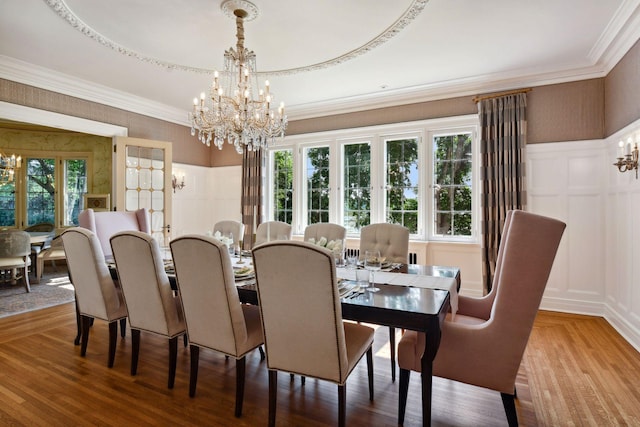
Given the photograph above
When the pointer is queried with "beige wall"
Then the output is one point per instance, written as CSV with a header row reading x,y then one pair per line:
x,y
622,92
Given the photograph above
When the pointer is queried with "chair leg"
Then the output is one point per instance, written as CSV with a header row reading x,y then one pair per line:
x,y
370,371
194,350
262,356
240,369
273,394
25,277
173,360
510,409
123,327
342,403
135,350
186,340
402,392
113,335
86,324
392,349
76,341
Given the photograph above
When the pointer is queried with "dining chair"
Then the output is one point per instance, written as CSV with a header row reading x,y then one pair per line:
x,y
15,254
151,303
107,223
53,253
302,319
97,296
214,317
327,230
272,230
236,228
486,351
392,240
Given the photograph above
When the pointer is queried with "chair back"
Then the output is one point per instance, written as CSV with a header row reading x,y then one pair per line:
x,y
106,224
229,226
325,229
41,227
96,294
212,308
272,230
300,309
145,285
392,240
15,244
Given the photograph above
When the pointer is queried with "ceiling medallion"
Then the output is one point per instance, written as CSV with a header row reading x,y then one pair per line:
x,y
228,6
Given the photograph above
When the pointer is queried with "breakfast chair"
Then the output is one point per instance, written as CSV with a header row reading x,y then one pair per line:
x,y
53,253
392,240
272,230
15,254
97,296
236,228
307,338
487,352
151,303
107,223
214,316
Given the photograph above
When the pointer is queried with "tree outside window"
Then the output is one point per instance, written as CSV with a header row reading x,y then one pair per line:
x,y
317,160
283,185
357,186
402,183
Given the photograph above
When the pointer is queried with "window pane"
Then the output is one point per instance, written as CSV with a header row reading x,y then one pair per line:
x,y
40,191
317,161
8,204
357,186
75,187
452,186
402,183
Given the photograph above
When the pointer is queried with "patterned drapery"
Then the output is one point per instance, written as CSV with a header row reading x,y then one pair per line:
x,y
252,164
503,129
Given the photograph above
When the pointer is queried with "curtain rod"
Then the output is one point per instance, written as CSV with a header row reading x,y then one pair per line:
x,y
478,98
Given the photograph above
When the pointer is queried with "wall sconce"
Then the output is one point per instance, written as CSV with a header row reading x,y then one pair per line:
x,y
175,184
628,159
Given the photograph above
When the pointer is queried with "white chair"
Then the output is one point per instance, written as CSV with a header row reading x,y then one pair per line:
x,y
392,240
106,224
272,230
151,303
309,337
97,296
236,228
15,254
325,229
214,316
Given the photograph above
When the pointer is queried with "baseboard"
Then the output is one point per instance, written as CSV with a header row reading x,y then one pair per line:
x,y
624,328
572,306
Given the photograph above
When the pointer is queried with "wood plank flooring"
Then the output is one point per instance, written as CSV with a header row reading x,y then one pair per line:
x,y
577,371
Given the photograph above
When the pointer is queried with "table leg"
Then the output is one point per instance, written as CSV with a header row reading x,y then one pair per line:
x,y
432,342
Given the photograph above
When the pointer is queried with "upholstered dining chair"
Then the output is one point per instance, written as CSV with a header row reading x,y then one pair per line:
x,y
236,228
214,316
107,223
309,337
272,230
15,254
392,240
53,253
151,303
486,350
327,230
97,296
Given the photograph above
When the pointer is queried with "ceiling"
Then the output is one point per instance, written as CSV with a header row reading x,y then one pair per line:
x,y
341,55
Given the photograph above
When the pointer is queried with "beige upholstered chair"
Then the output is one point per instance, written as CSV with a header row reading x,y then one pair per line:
x,y
214,316
106,224
325,229
229,226
150,301
53,253
15,254
486,351
97,297
272,230
392,240
309,337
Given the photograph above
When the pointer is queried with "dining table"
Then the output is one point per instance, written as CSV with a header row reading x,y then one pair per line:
x,y
419,305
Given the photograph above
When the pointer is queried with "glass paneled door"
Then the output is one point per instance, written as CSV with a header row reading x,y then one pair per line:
x,y
143,180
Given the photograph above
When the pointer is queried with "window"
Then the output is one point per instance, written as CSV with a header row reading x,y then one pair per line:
x,y
420,175
8,204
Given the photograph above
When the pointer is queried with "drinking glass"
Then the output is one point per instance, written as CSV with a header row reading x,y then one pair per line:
x,y
373,263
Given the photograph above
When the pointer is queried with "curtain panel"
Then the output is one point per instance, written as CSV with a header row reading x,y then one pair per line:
x,y
503,134
251,201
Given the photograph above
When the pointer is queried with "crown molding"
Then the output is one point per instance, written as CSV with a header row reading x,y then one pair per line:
x,y
622,32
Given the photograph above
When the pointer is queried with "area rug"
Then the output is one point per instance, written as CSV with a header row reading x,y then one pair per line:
x,y
54,289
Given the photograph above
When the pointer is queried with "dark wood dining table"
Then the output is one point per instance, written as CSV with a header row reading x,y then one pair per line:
x,y
406,307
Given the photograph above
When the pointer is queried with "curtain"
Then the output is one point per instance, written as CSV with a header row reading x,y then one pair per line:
x,y
251,201
503,133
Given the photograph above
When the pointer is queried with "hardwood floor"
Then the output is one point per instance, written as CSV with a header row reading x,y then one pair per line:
x,y
577,371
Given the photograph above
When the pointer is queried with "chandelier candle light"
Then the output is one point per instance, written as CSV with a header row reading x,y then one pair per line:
x,y
8,166
628,158
236,110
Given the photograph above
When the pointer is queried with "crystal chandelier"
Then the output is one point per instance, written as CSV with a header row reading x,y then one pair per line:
x,y
8,167
236,109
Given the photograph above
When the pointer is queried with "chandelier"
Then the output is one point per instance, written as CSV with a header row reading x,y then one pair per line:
x,y
236,109
8,166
